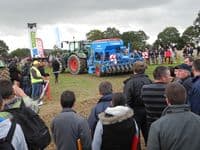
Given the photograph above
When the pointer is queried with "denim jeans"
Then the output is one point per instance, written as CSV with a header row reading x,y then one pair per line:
x,y
36,90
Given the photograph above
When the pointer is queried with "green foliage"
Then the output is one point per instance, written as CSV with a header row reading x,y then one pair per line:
x,y
3,48
168,36
189,34
111,33
94,35
137,39
20,52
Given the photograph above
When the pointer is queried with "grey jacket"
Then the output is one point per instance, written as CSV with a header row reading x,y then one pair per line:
x,y
67,128
178,129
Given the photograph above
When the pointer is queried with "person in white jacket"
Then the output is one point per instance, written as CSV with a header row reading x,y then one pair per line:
x,y
116,128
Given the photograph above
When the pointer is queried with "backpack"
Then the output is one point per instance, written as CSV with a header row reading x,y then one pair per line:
x,y
6,143
35,131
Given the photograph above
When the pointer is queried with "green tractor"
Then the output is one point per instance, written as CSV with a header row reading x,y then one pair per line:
x,y
75,57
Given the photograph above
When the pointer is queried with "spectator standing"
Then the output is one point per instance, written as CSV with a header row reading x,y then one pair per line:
x,y
194,94
15,73
162,54
68,127
12,96
183,73
132,90
198,50
41,68
168,55
189,61
56,66
153,95
105,90
26,79
12,129
178,128
116,128
36,81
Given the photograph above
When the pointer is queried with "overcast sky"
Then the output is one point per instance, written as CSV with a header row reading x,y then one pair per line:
x,y
77,17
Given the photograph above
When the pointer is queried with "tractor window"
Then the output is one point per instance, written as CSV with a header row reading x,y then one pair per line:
x,y
74,46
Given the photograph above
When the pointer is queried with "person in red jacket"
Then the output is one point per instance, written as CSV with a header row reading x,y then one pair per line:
x,y
168,56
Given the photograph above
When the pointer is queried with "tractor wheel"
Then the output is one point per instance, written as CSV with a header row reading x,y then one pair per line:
x,y
76,65
98,71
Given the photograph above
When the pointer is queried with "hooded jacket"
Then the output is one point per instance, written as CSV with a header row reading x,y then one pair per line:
x,y
116,130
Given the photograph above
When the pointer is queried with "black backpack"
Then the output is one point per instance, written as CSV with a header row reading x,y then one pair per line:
x,y
35,131
5,143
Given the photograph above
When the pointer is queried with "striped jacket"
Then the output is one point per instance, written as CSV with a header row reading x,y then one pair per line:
x,y
153,97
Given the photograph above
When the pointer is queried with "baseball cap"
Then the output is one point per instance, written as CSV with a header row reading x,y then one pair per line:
x,y
184,67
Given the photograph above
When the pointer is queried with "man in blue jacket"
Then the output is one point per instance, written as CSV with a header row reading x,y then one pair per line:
x,y
194,94
105,89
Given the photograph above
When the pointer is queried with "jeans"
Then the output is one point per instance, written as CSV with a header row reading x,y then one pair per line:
x,y
36,90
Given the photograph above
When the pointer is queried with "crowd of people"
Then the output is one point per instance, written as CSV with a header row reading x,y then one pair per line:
x,y
164,111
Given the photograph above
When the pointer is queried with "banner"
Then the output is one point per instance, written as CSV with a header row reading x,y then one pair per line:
x,y
32,35
39,45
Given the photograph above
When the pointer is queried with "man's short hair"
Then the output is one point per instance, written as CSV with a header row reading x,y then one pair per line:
x,y
196,64
67,99
160,72
190,58
176,93
6,89
118,99
105,88
139,67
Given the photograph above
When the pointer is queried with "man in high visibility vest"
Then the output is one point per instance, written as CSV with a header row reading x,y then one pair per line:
x,y
36,81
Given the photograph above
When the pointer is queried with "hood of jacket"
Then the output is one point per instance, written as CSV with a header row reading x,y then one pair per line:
x,y
116,114
105,98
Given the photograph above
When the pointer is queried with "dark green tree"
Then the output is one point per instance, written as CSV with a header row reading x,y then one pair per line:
x,y
20,52
189,35
168,36
137,39
111,33
94,35
3,48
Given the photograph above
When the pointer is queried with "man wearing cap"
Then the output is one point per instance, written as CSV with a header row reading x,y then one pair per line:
x,y
183,73
132,90
36,80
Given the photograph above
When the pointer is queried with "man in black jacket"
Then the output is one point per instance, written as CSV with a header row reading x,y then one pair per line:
x,y
132,90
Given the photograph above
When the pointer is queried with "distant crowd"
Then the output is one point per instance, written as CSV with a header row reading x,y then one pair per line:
x,y
165,111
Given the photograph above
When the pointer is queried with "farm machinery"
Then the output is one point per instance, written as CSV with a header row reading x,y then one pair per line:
x,y
100,57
